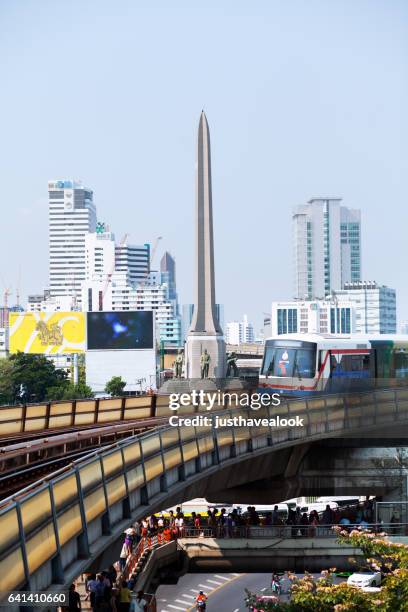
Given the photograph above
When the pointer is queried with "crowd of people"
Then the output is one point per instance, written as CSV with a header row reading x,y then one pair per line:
x,y
220,523
110,591
106,594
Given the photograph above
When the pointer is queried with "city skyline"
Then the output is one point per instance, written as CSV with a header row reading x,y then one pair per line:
x,y
311,124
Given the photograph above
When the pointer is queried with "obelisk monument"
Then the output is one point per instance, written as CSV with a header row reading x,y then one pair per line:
x,y
205,333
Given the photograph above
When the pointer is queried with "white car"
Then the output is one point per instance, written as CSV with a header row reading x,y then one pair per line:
x,y
364,579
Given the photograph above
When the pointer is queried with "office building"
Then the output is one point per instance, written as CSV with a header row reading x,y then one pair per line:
x,y
375,306
311,317
100,254
72,215
168,274
327,247
104,257
134,260
151,294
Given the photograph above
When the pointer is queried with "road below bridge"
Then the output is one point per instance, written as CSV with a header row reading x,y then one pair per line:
x,y
225,591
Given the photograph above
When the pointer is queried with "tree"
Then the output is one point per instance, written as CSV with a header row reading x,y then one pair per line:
x,y
32,375
6,383
115,386
309,594
69,391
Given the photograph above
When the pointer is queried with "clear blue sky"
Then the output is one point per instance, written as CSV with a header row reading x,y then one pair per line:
x,y
303,98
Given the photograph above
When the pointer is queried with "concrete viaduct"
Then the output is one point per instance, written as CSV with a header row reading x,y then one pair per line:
x,y
56,528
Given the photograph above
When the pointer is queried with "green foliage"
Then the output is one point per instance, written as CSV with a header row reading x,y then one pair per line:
x,y
115,386
30,376
79,391
69,391
6,382
33,378
309,594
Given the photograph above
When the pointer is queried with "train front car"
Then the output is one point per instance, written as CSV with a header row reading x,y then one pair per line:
x,y
310,364
289,366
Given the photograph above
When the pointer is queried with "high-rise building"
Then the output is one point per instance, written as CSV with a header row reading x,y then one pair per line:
x,y
327,247
72,215
239,332
100,258
151,294
168,274
375,306
134,260
104,257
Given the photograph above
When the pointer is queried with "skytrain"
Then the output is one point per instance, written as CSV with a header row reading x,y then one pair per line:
x,y
311,364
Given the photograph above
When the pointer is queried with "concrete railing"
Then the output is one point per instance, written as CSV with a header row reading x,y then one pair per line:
x,y
50,531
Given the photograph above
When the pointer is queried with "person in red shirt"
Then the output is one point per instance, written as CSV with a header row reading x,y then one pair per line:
x,y
201,601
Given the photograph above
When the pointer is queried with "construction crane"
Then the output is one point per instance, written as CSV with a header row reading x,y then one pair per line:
x,y
18,288
6,294
111,271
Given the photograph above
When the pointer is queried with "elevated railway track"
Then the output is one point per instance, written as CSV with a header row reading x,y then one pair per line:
x,y
23,462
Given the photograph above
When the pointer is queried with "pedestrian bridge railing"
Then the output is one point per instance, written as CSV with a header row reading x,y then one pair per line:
x,y
51,530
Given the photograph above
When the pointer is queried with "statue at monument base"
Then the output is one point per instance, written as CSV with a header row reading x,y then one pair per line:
x,y
205,361
232,369
205,357
178,364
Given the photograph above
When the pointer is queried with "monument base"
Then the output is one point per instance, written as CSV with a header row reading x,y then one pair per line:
x,y
187,385
196,345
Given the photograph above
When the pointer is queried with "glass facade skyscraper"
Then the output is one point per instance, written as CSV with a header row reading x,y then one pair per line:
x,y
327,247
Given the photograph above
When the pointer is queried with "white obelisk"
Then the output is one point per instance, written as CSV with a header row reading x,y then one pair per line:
x,y
205,332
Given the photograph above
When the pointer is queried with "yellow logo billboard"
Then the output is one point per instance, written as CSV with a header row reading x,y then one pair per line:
x,y
50,333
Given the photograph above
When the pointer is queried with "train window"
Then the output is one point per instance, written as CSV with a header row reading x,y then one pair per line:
x,y
383,355
356,366
284,361
400,364
268,363
305,363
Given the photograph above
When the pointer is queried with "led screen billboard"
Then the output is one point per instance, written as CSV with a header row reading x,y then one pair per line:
x,y
120,330
49,333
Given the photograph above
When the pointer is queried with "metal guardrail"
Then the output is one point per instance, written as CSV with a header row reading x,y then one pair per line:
x,y
283,532
59,523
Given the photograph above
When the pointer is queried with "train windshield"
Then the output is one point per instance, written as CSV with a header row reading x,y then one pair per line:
x,y
289,359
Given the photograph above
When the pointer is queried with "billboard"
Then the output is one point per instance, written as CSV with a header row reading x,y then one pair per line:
x,y
50,333
121,330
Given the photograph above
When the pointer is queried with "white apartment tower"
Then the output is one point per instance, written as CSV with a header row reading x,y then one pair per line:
x,y
99,255
72,215
238,332
327,247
